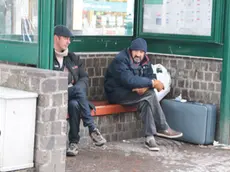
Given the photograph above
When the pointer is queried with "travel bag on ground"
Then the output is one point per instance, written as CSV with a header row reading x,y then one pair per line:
x,y
197,121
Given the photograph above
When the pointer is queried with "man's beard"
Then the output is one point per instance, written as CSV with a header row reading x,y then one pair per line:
x,y
137,59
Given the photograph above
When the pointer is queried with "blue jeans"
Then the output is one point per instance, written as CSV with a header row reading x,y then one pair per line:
x,y
78,107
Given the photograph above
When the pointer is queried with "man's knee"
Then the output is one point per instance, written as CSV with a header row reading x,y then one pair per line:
x,y
73,105
151,93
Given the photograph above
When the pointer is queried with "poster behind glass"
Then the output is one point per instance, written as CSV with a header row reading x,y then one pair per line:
x,y
184,17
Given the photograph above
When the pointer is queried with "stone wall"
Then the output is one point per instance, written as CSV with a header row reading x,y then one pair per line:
x,y
51,125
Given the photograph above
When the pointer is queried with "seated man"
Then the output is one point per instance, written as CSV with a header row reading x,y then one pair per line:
x,y
78,105
129,80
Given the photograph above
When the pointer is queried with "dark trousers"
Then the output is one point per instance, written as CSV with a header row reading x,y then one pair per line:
x,y
150,111
78,107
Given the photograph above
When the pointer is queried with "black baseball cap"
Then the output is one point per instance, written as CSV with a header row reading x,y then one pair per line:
x,y
61,30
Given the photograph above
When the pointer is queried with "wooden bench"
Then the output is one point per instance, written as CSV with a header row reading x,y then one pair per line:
x,y
104,108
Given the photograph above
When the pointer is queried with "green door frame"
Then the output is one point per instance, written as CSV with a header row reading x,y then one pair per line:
x,y
46,27
225,82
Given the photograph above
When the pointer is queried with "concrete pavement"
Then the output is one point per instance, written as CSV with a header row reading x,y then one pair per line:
x,y
132,156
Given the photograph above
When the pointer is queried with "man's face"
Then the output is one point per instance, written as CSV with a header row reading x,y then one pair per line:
x,y
137,55
62,42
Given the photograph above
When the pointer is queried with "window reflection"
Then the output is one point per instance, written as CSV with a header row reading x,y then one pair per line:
x,y
19,20
100,17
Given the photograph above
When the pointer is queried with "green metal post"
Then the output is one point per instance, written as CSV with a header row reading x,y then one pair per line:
x,y
225,90
59,4
46,33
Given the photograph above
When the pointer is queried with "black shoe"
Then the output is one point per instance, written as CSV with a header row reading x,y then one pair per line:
x,y
97,138
151,144
72,149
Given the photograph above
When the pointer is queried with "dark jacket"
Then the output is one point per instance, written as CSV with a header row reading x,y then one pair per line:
x,y
77,75
123,75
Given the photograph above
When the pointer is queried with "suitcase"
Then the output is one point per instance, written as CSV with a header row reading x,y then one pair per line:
x,y
196,121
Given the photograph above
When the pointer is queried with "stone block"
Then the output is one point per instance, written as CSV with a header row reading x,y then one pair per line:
x,y
95,82
65,98
12,81
89,63
49,115
56,128
159,61
218,87
23,83
216,77
203,85
204,66
173,64
57,100
62,84
34,84
42,157
122,118
191,94
208,76
196,85
60,142
43,128
91,71
200,75
180,83
54,167
44,100
98,71
181,64
47,142
212,66
215,98
96,62
49,85
188,64
62,113
211,86
103,62
192,75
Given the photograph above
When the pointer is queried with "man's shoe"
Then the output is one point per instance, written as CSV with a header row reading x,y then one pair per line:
x,y
72,149
151,144
169,133
97,138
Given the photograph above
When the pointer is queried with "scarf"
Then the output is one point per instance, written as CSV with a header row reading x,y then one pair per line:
x,y
60,56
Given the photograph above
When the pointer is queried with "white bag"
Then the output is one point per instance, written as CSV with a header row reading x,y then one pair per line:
x,y
163,76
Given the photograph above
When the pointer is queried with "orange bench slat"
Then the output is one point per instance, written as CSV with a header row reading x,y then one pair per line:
x,y
112,109
104,108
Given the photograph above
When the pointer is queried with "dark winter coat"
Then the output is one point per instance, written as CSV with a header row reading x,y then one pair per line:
x,y
123,75
77,75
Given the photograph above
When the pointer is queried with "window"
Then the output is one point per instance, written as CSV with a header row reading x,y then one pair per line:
x,y
19,20
100,17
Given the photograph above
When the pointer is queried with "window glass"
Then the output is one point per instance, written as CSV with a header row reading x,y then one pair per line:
x,y
100,17
19,20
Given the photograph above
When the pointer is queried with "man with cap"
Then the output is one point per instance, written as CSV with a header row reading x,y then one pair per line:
x,y
129,80
78,105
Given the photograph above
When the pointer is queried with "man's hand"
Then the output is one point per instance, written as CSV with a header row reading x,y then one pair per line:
x,y
140,91
158,85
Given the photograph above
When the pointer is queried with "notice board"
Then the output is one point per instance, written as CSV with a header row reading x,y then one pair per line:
x,y
184,17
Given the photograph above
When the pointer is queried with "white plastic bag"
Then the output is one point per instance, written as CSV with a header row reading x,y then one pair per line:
x,y
163,76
